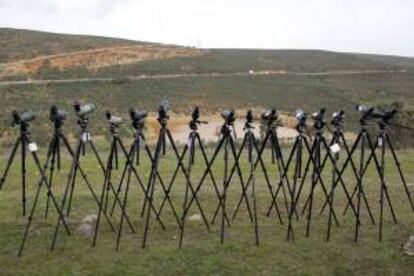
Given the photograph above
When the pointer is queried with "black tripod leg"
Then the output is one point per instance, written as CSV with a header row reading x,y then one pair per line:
x,y
54,201
203,152
67,188
10,161
151,187
322,184
398,164
132,151
169,136
387,196
52,148
206,172
269,186
125,202
244,189
218,208
29,220
111,187
168,190
108,171
75,159
23,148
295,149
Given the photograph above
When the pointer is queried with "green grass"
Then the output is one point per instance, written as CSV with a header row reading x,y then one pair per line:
x,y
202,252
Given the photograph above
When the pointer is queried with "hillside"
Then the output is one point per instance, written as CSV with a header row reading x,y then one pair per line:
x,y
118,74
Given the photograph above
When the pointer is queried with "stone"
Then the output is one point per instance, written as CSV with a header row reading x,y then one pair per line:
x,y
408,247
90,219
86,229
195,217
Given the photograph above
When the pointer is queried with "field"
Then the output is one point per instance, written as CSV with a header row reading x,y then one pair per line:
x,y
38,70
202,252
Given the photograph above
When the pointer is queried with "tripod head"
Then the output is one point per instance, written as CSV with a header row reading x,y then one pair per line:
x,y
269,117
57,116
229,117
301,117
163,116
249,120
114,122
138,118
195,119
338,120
367,113
384,117
318,118
23,119
82,111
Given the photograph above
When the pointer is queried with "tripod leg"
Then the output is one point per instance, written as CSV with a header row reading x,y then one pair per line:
x,y
224,194
398,164
252,144
316,169
207,172
23,172
233,169
169,136
132,152
344,166
73,181
190,163
104,189
168,190
54,201
111,187
75,159
67,188
10,162
125,202
150,188
322,184
269,186
244,194
52,148
387,196
295,149
203,152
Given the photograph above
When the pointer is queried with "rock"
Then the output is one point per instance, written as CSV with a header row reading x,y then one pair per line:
x,y
408,247
195,217
90,219
174,237
86,229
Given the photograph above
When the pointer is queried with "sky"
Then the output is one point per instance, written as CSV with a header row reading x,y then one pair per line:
x,y
367,26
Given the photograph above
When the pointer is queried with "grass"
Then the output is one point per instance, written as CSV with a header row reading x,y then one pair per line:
x,y
202,252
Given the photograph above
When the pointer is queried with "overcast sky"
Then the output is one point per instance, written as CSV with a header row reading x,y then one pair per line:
x,y
370,26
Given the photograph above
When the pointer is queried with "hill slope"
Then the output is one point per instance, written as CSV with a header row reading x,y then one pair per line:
x,y
118,74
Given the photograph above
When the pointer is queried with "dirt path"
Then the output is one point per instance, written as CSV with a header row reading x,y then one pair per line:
x,y
207,75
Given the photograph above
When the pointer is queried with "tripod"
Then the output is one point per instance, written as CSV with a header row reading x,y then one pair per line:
x,y
25,140
383,141
297,151
83,140
270,117
362,139
134,155
164,134
112,160
193,138
319,142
